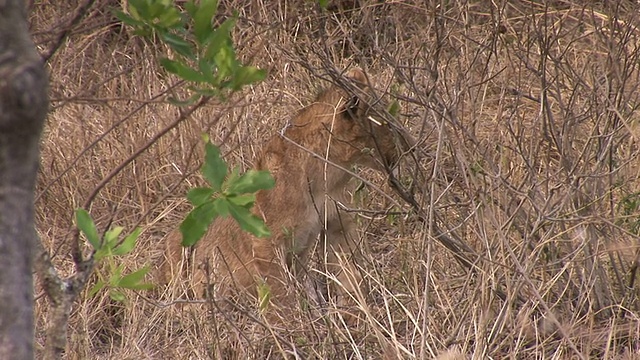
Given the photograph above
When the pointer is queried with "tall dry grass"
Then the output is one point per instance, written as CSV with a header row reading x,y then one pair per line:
x,y
527,121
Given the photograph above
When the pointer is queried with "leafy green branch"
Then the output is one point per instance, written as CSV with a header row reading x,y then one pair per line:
x,y
203,51
109,249
204,56
227,194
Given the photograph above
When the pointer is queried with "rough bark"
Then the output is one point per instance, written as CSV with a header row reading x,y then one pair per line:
x,y
62,294
23,107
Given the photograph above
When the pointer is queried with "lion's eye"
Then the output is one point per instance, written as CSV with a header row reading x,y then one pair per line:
x,y
354,102
352,105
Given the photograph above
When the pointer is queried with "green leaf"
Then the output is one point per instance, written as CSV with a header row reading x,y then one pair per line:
x,y
233,177
219,38
245,200
394,109
102,253
196,223
221,207
138,9
226,61
191,100
247,75
142,286
128,243
214,168
264,295
134,279
323,4
251,181
248,222
391,219
117,295
182,70
169,18
202,19
154,9
206,68
97,287
178,44
200,195
88,228
210,92
159,8
116,275
191,8
111,236
128,20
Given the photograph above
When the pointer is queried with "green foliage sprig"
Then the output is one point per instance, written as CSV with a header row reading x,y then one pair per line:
x,y
204,56
227,194
109,249
203,52
629,208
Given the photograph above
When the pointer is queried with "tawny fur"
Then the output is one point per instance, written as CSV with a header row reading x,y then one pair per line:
x,y
336,127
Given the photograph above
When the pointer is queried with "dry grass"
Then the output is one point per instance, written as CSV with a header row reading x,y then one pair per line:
x,y
528,117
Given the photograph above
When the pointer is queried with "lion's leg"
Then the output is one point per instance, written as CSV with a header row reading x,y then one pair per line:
x,y
343,253
269,269
172,260
271,272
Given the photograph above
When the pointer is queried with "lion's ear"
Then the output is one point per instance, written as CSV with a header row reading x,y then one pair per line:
x,y
358,77
354,106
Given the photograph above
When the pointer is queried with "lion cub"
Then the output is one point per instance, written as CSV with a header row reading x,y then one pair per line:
x,y
308,161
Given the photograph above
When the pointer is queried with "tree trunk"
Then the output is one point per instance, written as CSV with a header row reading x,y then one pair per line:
x,y
23,107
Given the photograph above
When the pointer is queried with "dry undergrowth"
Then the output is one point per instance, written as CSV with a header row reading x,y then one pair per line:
x,y
527,117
